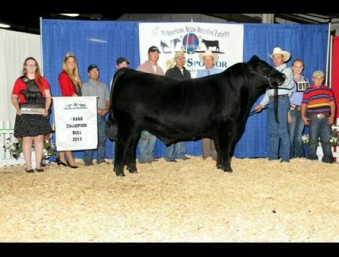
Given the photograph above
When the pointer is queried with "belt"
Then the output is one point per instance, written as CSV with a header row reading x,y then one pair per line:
x,y
295,107
272,96
320,116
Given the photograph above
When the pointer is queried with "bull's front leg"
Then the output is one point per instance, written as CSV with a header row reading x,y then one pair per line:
x,y
219,155
224,158
226,166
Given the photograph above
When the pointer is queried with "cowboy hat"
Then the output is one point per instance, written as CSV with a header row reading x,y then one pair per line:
x,y
278,50
209,53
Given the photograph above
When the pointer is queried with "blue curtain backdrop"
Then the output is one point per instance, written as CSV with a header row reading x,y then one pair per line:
x,y
102,42
92,42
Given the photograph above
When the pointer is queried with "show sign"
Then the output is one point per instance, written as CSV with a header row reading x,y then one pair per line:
x,y
75,123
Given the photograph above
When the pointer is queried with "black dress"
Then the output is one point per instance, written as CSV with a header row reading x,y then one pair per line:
x,y
32,125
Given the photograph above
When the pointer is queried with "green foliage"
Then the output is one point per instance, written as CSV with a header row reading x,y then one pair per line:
x,y
15,147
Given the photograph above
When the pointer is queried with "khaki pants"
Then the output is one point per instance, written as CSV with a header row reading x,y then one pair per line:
x,y
208,148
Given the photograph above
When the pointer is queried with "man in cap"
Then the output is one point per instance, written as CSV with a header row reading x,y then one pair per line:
x,y
147,140
278,129
177,150
94,87
122,62
209,59
317,111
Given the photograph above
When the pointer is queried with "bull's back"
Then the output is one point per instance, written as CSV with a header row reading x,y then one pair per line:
x,y
137,89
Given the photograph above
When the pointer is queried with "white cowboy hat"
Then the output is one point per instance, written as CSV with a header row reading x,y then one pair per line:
x,y
209,53
278,50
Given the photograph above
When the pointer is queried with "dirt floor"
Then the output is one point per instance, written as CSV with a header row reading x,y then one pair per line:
x,y
187,201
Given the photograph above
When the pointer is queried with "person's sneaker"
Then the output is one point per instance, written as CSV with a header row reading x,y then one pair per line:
x,y
88,164
102,161
185,158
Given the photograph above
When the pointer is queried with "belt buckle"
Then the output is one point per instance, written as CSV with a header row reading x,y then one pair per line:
x,y
320,116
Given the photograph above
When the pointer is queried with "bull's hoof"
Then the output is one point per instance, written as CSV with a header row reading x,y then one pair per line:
x,y
120,174
225,168
228,170
133,171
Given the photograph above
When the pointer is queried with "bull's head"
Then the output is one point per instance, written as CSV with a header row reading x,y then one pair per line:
x,y
273,77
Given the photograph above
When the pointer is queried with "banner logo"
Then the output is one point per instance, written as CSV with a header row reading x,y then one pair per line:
x,y
75,106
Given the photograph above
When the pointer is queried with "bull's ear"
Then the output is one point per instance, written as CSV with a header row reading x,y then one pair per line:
x,y
253,60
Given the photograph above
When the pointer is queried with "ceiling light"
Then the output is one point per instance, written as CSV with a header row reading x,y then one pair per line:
x,y
5,26
70,14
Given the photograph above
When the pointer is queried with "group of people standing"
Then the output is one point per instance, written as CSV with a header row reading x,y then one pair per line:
x,y
299,104
33,90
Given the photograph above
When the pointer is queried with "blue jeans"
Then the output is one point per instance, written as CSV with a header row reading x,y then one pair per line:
x,y
279,140
175,151
101,150
296,129
320,129
146,145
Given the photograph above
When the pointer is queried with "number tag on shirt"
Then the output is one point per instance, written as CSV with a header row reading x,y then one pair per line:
x,y
302,86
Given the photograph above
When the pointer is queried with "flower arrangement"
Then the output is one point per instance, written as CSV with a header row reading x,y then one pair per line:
x,y
334,139
306,139
15,148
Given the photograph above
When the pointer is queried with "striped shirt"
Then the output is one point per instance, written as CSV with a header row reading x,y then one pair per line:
x,y
318,99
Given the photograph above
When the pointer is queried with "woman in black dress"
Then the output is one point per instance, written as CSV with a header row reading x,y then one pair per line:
x,y
31,91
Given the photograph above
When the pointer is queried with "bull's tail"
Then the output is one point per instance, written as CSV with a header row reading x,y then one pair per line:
x,y
111,128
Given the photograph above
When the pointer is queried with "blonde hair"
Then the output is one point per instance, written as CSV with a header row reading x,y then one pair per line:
x,y
73,75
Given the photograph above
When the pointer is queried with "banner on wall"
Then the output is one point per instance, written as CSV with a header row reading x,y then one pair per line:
x,y
75,123
225,40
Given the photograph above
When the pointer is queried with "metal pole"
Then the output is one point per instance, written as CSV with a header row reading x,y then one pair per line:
x,y
328,57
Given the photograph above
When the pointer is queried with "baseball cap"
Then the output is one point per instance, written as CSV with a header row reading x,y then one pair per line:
x,y
122,59
91,67
153,49
318,73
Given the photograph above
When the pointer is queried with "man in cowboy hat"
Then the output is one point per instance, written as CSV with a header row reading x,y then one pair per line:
x,y
278,129
177,150
209,59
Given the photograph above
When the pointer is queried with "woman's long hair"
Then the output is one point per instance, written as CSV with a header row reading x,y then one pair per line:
x,y
37,77
73,75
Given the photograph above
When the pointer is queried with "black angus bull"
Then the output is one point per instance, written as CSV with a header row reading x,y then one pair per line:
x,y
216,106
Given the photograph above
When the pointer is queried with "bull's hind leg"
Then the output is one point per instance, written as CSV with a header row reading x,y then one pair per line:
x,y
131,154
120,150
